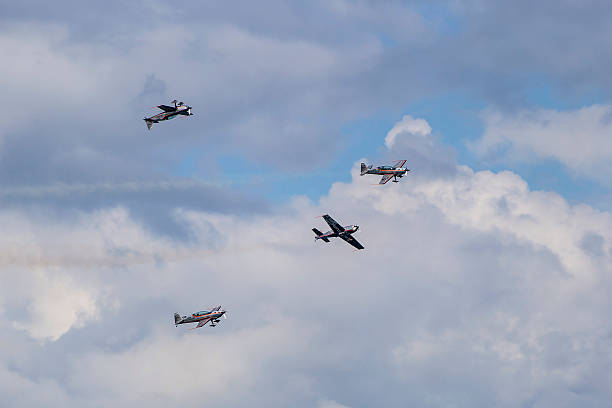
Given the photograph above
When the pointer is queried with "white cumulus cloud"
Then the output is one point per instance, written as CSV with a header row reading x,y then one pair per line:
x,y
56,305
581,139
408,125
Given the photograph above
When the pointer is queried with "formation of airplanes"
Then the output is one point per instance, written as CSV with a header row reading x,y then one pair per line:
x,y
395,172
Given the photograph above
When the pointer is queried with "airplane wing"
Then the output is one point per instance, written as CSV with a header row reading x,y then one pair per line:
x,y
399,163
202,323
385,178
352,241
337,228
166,108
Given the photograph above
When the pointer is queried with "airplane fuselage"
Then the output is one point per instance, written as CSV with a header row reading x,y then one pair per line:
x,y
181,110
399,171
348,230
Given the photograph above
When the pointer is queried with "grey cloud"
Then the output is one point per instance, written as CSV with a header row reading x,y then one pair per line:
x,y
152,203
578,139
154,86
426,157
264,84
593,244
63,189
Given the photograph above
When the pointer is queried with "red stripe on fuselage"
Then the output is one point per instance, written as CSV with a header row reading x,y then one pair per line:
x,y
202,317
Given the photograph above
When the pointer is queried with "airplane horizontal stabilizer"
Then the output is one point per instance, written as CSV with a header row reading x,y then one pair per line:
x,y
319,235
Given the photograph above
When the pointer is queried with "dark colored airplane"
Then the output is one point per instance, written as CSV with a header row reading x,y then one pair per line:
x,y
201,317
338,231
169,112
388,172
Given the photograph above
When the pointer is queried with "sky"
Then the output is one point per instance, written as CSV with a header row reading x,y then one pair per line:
x,y
486,273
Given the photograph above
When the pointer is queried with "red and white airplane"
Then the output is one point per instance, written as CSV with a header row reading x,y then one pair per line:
x,y
201,317
388,172
169,112
337,230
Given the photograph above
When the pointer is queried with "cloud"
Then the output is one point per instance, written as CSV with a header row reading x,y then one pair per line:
x,y
253,94
105,188
408,126
234,365
507,49
18,391
56,305
330,404
411,139
579,139
265,87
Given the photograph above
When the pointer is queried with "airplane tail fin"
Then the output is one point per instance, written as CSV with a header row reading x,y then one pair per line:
x,y
364,169
149,124
177,318
319,233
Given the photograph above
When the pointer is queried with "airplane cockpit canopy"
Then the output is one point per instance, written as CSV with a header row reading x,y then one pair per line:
x,y
386,168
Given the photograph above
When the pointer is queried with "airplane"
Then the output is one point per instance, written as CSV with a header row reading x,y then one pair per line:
x,y
201,317
388,172
169,112
338,231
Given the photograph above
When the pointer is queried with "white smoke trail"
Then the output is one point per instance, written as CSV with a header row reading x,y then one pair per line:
x,y
82,258
62,189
